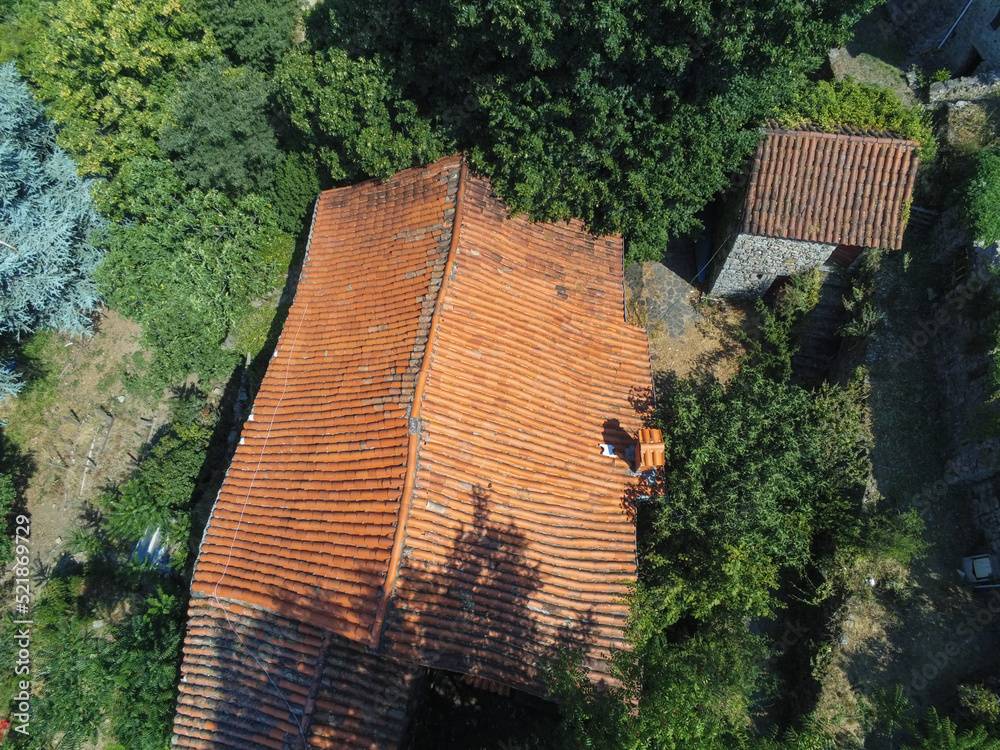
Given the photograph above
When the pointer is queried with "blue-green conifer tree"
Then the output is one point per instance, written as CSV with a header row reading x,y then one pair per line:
x,y
47,220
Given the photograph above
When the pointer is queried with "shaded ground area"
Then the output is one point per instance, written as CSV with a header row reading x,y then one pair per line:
x,y
927,632
453,714
686,336
875,56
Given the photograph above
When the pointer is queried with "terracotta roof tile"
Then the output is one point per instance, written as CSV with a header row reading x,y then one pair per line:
x,y
337,694
830,187
327,442
516,539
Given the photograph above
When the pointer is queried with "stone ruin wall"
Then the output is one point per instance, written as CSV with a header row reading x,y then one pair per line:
x,y
754,262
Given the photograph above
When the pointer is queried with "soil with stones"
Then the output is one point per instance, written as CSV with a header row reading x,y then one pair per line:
x,y
80,431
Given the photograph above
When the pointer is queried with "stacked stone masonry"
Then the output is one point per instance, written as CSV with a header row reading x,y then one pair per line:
x,y
754,262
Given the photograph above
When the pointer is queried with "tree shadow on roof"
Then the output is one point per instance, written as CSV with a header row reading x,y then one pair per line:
x,y
491,612
493,608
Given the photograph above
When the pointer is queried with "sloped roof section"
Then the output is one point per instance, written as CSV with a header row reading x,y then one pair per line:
x,y
253,679
422,474
516,540
831,187
305,521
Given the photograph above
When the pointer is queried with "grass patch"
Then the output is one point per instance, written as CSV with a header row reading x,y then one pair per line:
x,y
40,359
974,126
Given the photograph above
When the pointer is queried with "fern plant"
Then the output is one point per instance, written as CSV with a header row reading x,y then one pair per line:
x,y
942,734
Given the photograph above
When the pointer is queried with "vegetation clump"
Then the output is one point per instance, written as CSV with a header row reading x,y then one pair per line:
x,y
983,197
47,227
762,495
834,104
108,631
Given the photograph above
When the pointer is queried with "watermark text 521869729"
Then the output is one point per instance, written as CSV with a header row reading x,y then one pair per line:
x,y
21,703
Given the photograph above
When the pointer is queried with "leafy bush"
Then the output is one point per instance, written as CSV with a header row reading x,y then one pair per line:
x,y
800,295
942,734
831,104
108,670
186,265
159,493
980,704
983,197
296,187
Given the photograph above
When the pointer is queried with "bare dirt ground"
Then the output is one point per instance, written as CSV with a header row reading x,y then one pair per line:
x,y
687,337
710,343
79,428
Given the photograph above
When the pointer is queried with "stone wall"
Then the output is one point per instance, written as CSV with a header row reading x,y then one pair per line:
x,y
754,262
982,86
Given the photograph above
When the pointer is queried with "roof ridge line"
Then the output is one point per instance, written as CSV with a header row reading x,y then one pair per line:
x,y
314,685
414,434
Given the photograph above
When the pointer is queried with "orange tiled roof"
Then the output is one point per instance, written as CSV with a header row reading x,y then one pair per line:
x,y
422,472
830,187
306,518
516,538
337,694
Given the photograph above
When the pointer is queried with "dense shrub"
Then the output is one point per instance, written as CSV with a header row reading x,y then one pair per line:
x,y
159,494
983,198
831,104
187,264
105,659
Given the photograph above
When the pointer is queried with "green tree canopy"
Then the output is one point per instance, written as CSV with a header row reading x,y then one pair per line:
x,y
46,222
627,114
106,69
218,135
256,33
358,122
760,476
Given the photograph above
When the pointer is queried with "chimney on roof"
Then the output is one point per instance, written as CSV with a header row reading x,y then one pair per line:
x,y
650,452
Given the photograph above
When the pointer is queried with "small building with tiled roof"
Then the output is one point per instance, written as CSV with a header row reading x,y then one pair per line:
x,y
422,482
810,193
